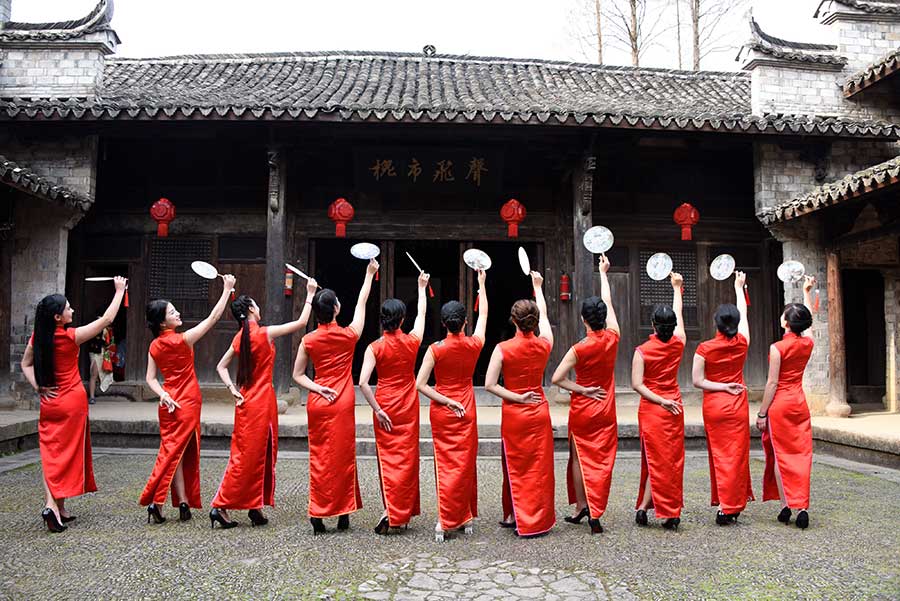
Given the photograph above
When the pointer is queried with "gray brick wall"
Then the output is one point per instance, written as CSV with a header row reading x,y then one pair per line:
x,y
50,72
67,160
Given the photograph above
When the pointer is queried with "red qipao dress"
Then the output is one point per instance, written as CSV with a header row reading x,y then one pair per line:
x,y
787,439
249,480
398,450
455,438
64,435
593,429
179,431
727,425
661,432
527,437
333,484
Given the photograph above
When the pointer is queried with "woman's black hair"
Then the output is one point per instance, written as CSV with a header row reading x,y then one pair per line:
x,y
453,316
392,313
664,322
240,309
798,317
324,303
156,315
43,345
593,310
727,320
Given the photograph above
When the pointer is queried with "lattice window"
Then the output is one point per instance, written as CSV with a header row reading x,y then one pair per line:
x,y
171,276
660,293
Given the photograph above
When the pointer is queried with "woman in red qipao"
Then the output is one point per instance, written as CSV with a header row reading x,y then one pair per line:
x,y
783,417
172,353
593,429
249,480
50,364
453,421
718,370
330,408
525,429
654,376
396,409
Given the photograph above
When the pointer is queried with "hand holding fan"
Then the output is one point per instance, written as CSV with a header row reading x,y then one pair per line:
x,y
109,278
416,265
366,251
208,272
477,260
300,273
721,269
791,272
659,266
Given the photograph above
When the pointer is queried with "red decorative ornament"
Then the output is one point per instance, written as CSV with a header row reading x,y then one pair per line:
x,y
513,213
163,212
341,212
565,290
686,216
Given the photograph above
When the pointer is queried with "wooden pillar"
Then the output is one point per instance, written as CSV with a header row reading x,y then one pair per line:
x,y
278,307
582,220
837,359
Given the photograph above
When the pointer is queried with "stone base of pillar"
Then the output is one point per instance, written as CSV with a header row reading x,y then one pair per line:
x,y
837,408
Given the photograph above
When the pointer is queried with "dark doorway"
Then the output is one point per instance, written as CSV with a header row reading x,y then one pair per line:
x,y
864,333
96,298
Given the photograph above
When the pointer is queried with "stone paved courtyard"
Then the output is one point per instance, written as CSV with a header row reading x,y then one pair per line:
x,y
849,551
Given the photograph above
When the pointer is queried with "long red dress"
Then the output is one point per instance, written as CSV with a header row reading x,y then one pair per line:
x,y
527,437
398,450
787,438
64,435
333,483
661,432
249,480
727,425
593,429
455,438
179,431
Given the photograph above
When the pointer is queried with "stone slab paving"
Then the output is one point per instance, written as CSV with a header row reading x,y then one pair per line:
x,y
849,552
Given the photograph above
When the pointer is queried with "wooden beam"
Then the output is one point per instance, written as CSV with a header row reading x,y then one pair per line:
x,y
278,308
582,220
837,359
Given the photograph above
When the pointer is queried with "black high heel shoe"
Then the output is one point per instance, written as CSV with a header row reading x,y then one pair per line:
x,y
257,518
216,516
640,517
53,524
594,523
724,519
507,524
184,512
803,520
785,516
344,522
671,523
318,525
154,512
576,519
67,518
383,526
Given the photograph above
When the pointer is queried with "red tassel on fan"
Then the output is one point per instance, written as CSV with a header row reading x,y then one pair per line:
x,y
747,294
376,276
126,298
232,295
477,297
816,302
430,292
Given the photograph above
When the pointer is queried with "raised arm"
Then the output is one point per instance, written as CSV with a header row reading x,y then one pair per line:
x,y
201,329
423,386
298,324
537,282
91,330
492,379
678,305
359,314
365,374
809,282
418,329
612,323
762,418
481,324
637,384
164,398
300,377
698,375
222,370
740,280
561,379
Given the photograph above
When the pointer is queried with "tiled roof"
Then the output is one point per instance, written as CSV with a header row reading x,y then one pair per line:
x,y
30,182
97,20
886,65
855,184
793,51
366,86
889,7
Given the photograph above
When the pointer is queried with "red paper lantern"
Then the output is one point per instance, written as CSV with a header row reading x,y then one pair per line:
x,y
341,212
686,216
163,212
565,290
513,213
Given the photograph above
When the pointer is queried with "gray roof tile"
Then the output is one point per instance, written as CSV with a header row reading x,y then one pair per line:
x,y
28,181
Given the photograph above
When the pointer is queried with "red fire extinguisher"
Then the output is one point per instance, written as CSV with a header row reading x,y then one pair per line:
x,y
565,292
288,282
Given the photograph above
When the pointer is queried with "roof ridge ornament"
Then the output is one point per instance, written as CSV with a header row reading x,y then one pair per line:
x,y
429,50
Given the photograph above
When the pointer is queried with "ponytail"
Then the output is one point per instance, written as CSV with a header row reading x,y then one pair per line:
x,y
240,309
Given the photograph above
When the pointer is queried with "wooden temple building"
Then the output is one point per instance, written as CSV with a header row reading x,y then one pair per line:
x,y
252,149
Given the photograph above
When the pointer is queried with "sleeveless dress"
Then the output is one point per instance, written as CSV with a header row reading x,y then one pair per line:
x,y
787,439
593,429
527,438
333,483
249,480
455,439
398,450
64,435
179,431
727,425
661,432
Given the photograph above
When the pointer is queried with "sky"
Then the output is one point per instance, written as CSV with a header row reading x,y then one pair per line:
x,y
545,29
